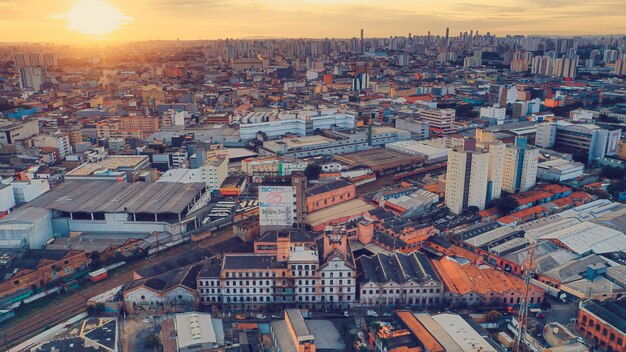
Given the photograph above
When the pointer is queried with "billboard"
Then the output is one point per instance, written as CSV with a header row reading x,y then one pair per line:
x,y
276,206
612,144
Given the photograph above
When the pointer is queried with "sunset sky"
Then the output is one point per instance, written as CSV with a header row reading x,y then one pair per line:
x,y
75,21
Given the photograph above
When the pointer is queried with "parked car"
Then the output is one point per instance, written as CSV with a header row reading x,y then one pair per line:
x,y
240,317
260,316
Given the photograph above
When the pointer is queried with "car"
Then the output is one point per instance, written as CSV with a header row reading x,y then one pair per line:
x,y
240,317
260,316
346,313
276,316
386,314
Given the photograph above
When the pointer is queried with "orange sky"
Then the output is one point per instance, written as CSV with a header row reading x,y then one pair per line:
x,y
55,21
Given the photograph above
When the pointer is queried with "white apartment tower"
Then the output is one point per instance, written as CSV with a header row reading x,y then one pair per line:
x,y
467,177
520,167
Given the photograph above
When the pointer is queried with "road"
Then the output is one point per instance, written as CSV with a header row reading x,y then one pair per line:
x,y
58,311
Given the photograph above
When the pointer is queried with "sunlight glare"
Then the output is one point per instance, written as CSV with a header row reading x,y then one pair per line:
x,y
95,17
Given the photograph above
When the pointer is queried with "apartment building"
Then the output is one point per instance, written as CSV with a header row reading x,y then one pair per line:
x,y
520,166
466,177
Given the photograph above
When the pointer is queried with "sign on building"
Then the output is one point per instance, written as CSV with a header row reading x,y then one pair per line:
x,y
276,206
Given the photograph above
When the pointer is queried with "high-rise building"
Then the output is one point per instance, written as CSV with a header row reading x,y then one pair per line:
x,y
620,67
31,78
520,166
49,60
466,177
496,150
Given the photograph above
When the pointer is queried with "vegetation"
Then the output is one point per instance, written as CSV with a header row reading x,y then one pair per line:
x,y
313,171
152,342
613,173
505,204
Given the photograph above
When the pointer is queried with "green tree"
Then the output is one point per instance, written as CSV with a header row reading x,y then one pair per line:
x,y
313,171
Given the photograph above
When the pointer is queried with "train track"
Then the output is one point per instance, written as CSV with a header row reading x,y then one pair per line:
x,y
20,329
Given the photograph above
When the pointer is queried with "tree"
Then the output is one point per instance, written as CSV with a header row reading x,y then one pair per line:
x,y
152,342
612,172
493,315
505,204
313,171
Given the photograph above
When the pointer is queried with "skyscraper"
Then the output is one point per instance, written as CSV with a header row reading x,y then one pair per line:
x,y
466,177
362,43
520,166
31,78
447,35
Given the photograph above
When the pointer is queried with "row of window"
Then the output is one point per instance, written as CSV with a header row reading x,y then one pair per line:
x,y
397,291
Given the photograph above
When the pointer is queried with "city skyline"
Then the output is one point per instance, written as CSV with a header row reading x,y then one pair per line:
x,y
115,20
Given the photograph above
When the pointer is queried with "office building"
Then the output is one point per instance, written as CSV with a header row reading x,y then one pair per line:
x,y
585,142
520,166
440,121
466,177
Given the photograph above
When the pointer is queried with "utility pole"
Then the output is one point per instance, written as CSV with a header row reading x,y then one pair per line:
x,y
522,316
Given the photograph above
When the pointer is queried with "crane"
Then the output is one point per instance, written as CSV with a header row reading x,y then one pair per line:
x,y
522,315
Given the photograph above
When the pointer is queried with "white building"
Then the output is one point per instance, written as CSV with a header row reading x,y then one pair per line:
x,y
26,191
333,142
198,331
466,178
56,140
494,113
418,128
31,226
520,167
212,173
7,198
431,153
31,78
303,123
559,170
582,115
272,165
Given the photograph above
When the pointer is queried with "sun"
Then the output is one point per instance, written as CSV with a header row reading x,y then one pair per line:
x,y
95,17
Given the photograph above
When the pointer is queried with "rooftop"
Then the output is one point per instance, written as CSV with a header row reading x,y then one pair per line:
x,y
112,162
120,197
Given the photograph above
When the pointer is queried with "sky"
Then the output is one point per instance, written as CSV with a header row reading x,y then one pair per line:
x,y
132,20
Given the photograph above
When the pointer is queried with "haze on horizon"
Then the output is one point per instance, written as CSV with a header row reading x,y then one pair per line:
x,y
133,20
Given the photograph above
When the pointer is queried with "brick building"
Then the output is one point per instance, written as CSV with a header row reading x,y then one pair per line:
x,y
603,323
41,268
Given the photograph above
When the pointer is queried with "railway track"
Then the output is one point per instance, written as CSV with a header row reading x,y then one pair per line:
x,y
22,328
